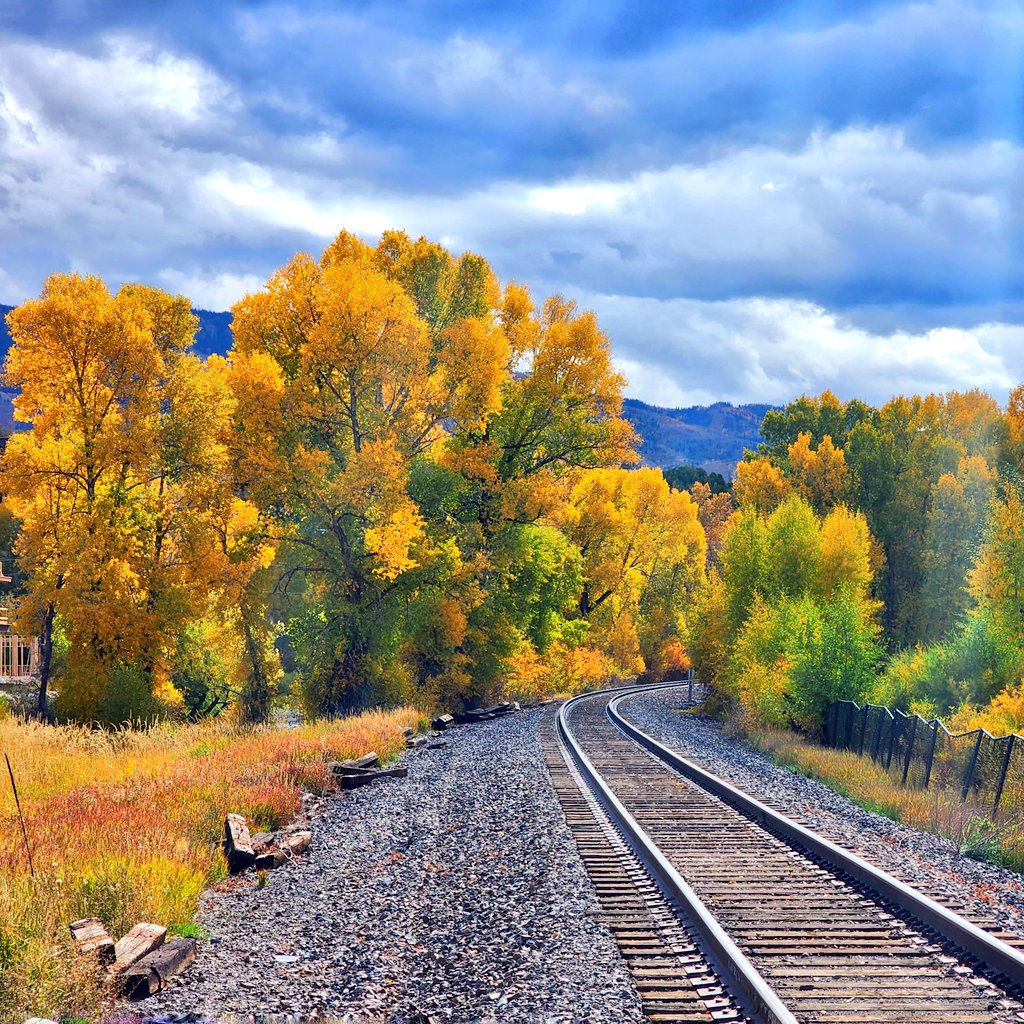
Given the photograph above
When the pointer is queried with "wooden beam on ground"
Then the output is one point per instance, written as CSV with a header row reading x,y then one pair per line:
x,y
238,844
91,937
365,778
139,942
153,971
355,766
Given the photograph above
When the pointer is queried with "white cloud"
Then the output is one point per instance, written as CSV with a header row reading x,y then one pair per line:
x,y
771,350
215,291
137,162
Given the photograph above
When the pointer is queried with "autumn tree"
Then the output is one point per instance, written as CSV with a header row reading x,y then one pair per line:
x,y
713,512
418,476
791,624
643,555
760,484
120,484
818,474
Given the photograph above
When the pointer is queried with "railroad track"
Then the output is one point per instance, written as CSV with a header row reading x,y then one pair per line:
x,y
726,910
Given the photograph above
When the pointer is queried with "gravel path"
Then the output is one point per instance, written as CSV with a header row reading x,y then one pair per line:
x,y
917,857
453,895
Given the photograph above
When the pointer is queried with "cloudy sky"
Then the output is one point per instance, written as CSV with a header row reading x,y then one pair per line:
x,y
760,199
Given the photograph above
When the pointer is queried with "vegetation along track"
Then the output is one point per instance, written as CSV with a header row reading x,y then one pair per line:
x,y
725,909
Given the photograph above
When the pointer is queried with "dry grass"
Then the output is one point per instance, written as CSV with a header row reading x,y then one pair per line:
x,y
966,825
125,827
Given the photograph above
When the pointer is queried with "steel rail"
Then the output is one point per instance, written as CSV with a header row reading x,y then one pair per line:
x,y
753,994
994,953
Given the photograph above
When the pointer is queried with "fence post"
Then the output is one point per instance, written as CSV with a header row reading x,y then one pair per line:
x,y
910,748
850,716
830,724
894,736
863,728
1003,771
689,686
969,774
877,742
931,753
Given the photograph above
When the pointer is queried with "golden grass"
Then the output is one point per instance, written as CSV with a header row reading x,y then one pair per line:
x,y
125,827
968,825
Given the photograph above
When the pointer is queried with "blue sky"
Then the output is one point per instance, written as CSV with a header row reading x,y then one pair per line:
x,y
758,199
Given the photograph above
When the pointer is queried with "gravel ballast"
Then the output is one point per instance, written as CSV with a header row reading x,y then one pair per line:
x,y
456,894
920,858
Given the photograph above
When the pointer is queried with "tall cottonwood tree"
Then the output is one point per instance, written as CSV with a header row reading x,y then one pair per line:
x,y
121,483
431,426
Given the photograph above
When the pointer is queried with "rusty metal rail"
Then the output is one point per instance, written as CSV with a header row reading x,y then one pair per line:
x,y
796,928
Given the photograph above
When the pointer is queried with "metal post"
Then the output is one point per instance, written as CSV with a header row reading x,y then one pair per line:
x,y
863,728
689,686
968,775
1003,771
876,745
931,753
893,737
850,713
910,749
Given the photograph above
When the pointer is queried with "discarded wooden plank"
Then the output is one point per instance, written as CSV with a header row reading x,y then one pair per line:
x,y
475,715
408,730
238,844
153,971
365,778
139,942
289,845
416,741
443,722
91,937
504,708
261,841
437,745
355,766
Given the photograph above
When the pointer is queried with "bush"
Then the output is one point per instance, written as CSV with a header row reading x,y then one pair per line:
x,y
128,699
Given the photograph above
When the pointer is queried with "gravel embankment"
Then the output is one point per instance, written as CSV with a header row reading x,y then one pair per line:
x,y
453,895
921,858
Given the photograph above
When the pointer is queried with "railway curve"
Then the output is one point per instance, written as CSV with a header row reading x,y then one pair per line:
x,y
794,928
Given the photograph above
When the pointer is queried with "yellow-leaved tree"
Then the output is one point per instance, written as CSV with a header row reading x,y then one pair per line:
x,y
121,484
643,554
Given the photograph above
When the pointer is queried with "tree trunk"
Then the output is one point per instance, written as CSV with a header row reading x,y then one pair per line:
x,y
256,693
45,659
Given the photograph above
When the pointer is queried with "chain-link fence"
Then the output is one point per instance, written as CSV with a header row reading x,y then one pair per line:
x,y
924,753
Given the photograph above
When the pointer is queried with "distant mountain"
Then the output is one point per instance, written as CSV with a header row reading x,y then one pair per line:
x,y
710,436
214,334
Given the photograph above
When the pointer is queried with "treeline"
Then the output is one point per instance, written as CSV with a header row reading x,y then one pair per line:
x,y
913,513
404,482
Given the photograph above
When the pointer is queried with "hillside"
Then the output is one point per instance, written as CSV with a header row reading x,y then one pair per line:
x,y
710,436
